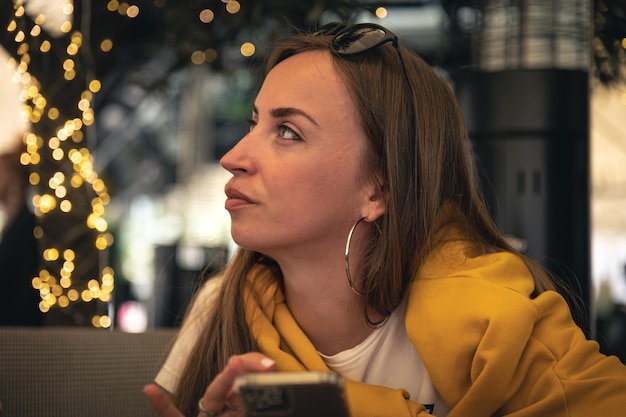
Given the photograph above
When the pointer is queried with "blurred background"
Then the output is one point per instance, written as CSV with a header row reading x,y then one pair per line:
x,y
120,111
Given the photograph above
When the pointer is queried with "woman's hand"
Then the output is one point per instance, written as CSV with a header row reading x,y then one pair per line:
x,y
219,399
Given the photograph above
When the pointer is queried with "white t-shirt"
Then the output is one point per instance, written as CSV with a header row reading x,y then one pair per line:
x,y
386,357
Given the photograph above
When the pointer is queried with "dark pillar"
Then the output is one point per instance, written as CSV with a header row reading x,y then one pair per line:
x,y
530,132
177,281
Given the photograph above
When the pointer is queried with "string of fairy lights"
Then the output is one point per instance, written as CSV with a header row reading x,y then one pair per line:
x,y
56,286
55,282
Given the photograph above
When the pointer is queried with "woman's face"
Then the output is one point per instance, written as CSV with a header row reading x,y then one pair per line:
x,y
297,184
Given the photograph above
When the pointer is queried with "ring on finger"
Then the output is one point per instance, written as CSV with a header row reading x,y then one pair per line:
x,y
205,412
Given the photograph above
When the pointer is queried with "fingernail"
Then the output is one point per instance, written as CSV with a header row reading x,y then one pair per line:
x,y
267,362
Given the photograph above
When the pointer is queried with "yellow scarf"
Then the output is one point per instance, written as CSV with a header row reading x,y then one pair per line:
x,y
278,336
274,329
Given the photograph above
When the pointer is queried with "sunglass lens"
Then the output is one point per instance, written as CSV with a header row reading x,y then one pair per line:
x,y
354,41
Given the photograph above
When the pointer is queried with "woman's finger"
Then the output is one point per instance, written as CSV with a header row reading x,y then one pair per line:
x,y
256,362
217,393
214,398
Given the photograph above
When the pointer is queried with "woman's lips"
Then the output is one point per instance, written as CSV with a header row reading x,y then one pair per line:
x,y
236,199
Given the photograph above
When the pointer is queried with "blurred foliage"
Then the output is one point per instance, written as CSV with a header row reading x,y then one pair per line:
x,y
151,56
174,25
609,40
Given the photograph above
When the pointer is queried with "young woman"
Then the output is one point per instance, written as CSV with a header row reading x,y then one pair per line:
x,y
366,249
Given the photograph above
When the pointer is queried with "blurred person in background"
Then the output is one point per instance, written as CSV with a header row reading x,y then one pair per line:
x,y
19,254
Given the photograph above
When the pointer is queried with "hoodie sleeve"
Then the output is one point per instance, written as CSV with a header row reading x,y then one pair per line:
x,y
372,400
492,350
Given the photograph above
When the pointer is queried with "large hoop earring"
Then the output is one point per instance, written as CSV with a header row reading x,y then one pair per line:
x,y
347,258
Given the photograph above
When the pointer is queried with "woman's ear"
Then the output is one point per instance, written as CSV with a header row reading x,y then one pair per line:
x,y
378,197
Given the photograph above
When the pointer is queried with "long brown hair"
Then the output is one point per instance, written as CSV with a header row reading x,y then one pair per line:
x,y
419,148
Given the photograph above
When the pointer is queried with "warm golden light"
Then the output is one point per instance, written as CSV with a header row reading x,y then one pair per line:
x,y
69,255
39,101
197,57
210,55
68,266
75,156
106,45
113,5
68,8
47,203
64,301
132,11
86,95
51,254
68,64
65,206
33,178
36,283
206,16
85,295
105,321
88,117
58,154
381,12
57,288
77,38
247,49
61,192
123,8
54,142
101,243
35,158
233,6
98,185
72,49
83,104
53,113
66,27
94,87
45,46
51,300
22,50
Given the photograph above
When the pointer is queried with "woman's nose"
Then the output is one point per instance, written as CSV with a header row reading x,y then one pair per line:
x,y
237,159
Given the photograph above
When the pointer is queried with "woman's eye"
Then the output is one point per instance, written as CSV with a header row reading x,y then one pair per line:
x,y
287,133
251,124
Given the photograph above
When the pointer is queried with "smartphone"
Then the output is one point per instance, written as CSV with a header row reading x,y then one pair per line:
x,y
292,394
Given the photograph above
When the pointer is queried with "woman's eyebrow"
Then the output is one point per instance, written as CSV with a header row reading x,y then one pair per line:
x,y
288,111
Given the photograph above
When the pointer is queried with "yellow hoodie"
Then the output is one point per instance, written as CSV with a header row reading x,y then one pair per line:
x,y
489,348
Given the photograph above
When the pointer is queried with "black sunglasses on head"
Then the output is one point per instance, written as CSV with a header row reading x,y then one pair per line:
x,y
361,37
358,38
